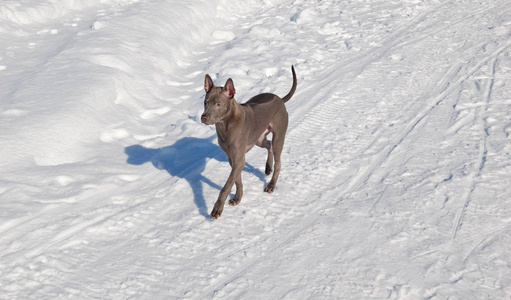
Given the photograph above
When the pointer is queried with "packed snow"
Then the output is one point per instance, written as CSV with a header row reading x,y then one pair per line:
x,y
396,177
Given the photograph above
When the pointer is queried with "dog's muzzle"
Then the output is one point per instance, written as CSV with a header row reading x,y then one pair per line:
x,y
205,119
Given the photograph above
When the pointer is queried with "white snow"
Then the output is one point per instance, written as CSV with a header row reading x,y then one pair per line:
x,y
396,178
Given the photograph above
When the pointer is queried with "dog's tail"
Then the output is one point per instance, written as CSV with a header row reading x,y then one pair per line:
x,y
293,89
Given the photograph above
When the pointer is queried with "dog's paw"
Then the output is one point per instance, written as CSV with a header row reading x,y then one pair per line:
x,y
217,211
215,214
269,188
234,201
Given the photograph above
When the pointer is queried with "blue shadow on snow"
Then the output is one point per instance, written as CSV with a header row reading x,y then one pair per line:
x,y
186,159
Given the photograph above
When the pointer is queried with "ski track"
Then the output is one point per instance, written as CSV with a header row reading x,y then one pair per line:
x,y
479,164
318,165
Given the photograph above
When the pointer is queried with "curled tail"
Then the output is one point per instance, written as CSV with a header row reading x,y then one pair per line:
x,y
293,89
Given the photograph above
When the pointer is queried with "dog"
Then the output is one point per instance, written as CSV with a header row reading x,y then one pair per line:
x,y
241,126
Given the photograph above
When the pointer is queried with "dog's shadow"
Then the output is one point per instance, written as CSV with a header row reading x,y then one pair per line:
x,y
186,159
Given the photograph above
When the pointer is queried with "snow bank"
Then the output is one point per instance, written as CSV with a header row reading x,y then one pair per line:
x,y
29,12
106,65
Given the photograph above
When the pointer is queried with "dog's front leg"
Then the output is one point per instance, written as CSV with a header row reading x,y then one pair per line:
x,y
235,177
239,190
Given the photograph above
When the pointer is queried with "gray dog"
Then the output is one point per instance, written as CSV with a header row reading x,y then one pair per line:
x,y
241,126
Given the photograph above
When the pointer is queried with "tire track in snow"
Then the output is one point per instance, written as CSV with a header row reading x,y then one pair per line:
x,y
313,117
404,36
445,87
356,66
448,88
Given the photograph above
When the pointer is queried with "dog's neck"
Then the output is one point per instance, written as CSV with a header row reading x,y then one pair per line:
x,y
231,119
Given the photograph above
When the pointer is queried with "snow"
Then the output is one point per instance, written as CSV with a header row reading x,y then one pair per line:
x,y
396,177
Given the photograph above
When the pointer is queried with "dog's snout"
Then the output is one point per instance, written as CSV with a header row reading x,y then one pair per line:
x,y
204,118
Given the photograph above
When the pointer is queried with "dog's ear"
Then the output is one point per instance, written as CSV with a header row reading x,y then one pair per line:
x,y
229,89
208,83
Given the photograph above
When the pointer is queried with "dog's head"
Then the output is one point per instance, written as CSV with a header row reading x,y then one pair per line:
x,y
219,101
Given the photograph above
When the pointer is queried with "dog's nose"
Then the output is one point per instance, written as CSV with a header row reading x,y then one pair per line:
x,y
204,118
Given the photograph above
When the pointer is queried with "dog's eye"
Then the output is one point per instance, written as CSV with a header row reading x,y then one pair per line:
x,y
218,104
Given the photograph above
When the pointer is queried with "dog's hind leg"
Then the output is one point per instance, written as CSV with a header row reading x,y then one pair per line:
x,y
278,127
277,146
263,142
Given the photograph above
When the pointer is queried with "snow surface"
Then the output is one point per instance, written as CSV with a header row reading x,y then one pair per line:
x,y
396,179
